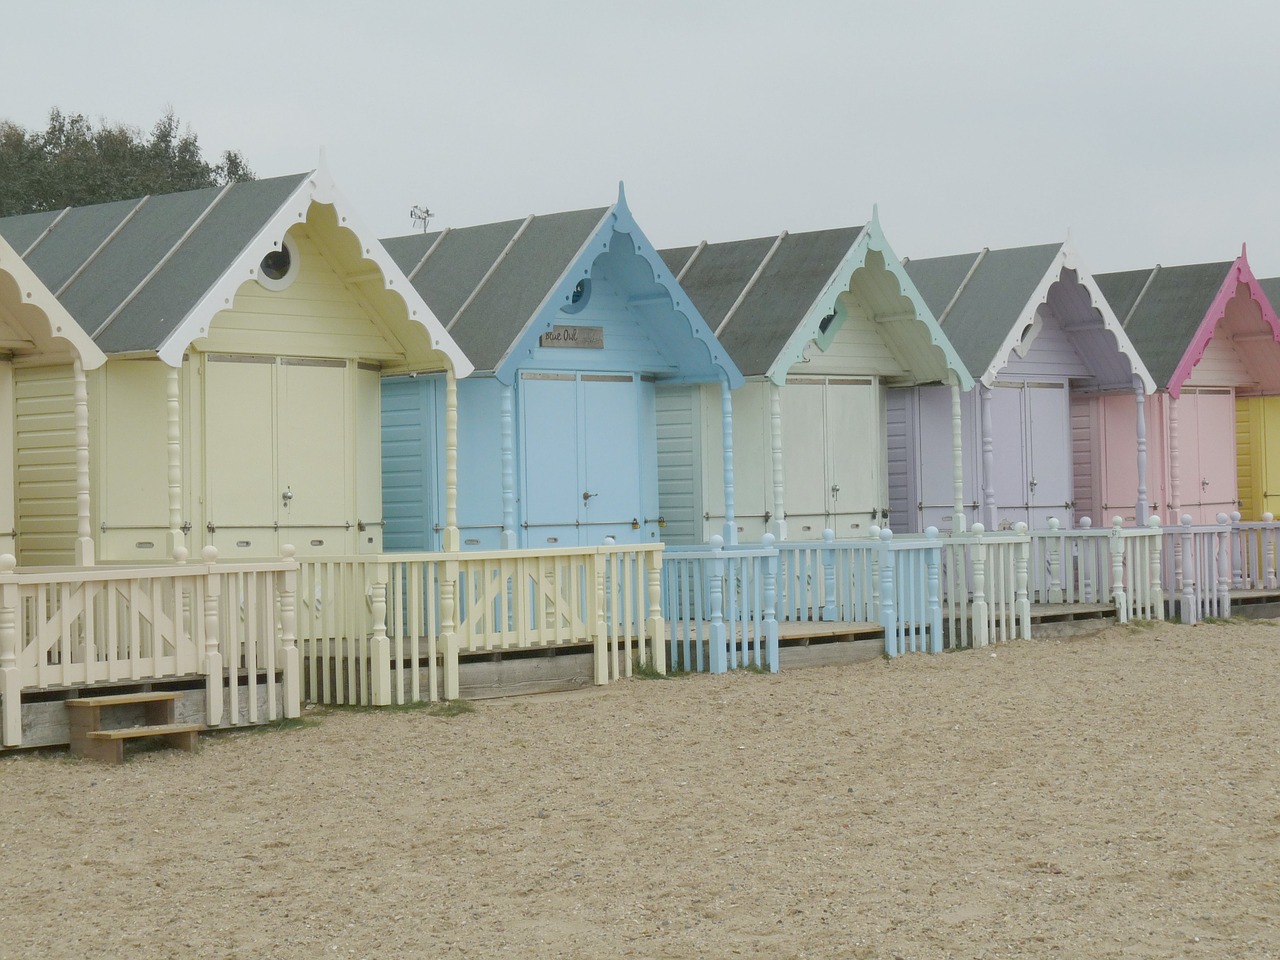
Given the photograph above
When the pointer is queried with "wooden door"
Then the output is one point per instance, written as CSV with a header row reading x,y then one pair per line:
x,y
409,458
611,457
1009,477
1206,436
804,457
314,469
856,494
1268,451
553,483
240,455
1049,488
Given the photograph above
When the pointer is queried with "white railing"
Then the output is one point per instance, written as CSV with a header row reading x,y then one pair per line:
x,y
1198,568
1112,565
232,623
984,586
720,606
1253,558
370,626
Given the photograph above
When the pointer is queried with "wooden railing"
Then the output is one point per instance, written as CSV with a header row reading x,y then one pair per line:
x,y
1198,568
232,623
370,626
720,606
1116,565
1253,559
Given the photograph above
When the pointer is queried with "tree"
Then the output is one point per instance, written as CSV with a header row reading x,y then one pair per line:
x,y
73,163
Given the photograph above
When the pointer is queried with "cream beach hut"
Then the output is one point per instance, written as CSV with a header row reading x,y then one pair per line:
x,y
821,324
246,330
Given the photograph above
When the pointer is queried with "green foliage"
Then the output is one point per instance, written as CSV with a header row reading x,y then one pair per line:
x,y
645,670
72,162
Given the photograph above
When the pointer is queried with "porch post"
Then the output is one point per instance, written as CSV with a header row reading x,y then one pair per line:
x,y
451,542
726,433
988,461
1175,479
176,537
1140,514
10,673
775,451
957,460
84,533
509,540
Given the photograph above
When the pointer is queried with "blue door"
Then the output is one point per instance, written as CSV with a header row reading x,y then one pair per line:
x,y
410,454
582,455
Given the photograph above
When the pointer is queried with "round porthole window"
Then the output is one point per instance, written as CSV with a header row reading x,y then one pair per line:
x,y
279,268
579,296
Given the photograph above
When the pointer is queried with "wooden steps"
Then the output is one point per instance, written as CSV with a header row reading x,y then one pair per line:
x,y
89,739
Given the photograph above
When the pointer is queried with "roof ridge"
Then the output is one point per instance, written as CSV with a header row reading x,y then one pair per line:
x,y
982,254
430,250
115,231
1141,293
186,234
490,272
750,283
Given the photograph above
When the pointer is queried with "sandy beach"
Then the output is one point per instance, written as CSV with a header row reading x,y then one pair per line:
x,y
1115,795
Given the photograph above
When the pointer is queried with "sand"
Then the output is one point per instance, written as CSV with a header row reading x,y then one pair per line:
x,y
1108,796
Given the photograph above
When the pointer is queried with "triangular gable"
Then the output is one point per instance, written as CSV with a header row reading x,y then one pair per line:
x,y
148,276
988,304
1177,311
32,311
915,338
507,284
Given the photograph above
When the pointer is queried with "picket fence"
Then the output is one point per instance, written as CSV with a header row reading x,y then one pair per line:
x,y
231,623
390,628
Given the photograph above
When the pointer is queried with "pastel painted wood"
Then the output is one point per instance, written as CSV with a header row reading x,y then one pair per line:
x,y
572,320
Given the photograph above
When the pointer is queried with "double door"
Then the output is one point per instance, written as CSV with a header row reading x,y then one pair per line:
x,y
587,447
1031,447
280,462
1206,452
833,456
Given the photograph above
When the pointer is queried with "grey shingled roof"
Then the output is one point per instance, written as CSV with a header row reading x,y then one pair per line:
x,y
1271,288
137,267
989,303
501,302
1161,316
776,303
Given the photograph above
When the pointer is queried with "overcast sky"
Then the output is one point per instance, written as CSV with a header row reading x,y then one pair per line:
x,y
1148,131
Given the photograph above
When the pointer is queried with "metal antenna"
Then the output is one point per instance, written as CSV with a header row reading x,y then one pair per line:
x,y
420,215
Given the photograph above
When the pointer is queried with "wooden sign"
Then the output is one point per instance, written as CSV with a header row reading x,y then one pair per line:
x,y
581,338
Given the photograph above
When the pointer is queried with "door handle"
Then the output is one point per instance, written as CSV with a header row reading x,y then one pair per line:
x,y
587,496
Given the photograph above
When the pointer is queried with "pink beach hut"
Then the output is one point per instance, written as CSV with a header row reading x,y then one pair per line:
x,y
1211,339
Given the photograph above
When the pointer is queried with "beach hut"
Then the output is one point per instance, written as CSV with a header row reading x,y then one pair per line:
x,y
246,329
1211,339
821,324
1032,326
573,323
1258,439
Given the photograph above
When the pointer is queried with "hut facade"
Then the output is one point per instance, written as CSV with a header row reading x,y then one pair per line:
x,y
246,330
573,323
1211,339
821,325
1032,326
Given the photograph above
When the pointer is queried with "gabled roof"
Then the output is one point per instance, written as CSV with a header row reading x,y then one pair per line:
x,y
768,298
149,275
987,300
1171,313
498,286
32,321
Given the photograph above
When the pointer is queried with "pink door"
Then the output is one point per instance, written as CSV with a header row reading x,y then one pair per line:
x,y
1207,453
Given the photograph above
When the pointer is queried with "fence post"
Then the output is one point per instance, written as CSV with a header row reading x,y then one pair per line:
x,y
979,605
933,561
379,643
888,615
1116,548
1021,601
1157,575
10,674
717,653
1238,548
448,642
1187,572
655,626
599,627
769,621
212,656
1084,564
291,690
1268,552
1222,590
1055,561
828,576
